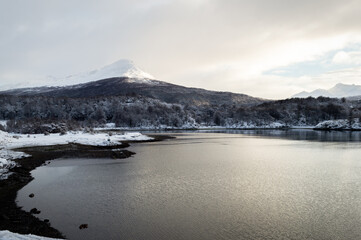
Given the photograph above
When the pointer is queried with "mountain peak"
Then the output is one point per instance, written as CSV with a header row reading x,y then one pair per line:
x,y
123,61
341,85
120,68
124,68
339,90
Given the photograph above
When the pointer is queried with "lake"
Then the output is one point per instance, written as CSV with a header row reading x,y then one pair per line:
x,y
297,184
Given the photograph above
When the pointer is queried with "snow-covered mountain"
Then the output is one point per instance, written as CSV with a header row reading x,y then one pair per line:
x,y
121,86
123,78
338,91
120,68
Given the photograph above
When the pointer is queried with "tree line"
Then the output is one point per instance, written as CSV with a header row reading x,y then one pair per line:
x,y
33,114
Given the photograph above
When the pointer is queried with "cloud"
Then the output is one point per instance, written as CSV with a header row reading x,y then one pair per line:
x,y
347,58
341,58
214,44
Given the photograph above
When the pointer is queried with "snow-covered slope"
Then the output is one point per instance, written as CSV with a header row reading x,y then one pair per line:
x,y
120,68
123,78
340,124
338,91
123,86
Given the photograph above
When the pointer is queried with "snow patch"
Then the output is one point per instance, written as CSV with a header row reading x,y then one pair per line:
x,y
11,141
3,123
7,235
5,166
341,124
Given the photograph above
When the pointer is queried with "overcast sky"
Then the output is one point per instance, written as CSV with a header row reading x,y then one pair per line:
x,y
264,48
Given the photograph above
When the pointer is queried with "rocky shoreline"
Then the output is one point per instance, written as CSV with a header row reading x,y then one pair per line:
x,y
12,217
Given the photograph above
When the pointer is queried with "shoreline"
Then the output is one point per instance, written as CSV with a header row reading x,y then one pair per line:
x,y
198,129
12,217
166,130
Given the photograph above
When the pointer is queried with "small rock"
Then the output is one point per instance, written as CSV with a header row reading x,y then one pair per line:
x,y
46,220
31,195
34,211
83,226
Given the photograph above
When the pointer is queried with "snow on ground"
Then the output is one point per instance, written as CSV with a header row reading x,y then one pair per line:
x,y
3,123
341,124
11,155
6,235
10,141
5,165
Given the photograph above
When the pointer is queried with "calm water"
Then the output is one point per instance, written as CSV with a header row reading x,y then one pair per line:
x,y
236,185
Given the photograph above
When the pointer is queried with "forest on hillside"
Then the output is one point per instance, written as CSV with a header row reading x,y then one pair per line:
x,y
38,114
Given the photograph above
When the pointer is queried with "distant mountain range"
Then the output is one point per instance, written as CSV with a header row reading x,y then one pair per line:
x,y
124,78
338,91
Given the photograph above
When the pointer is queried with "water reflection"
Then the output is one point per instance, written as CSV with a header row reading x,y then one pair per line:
x,y
303,134
291,134
239,185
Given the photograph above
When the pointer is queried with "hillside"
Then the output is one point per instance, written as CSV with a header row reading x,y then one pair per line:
x,y
122,86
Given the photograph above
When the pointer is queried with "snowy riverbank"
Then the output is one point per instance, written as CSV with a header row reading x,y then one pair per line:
x,y
194,126
9,141
341,124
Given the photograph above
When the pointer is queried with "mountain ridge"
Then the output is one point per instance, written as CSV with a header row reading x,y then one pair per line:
x,y
124,78
156,89
338,91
